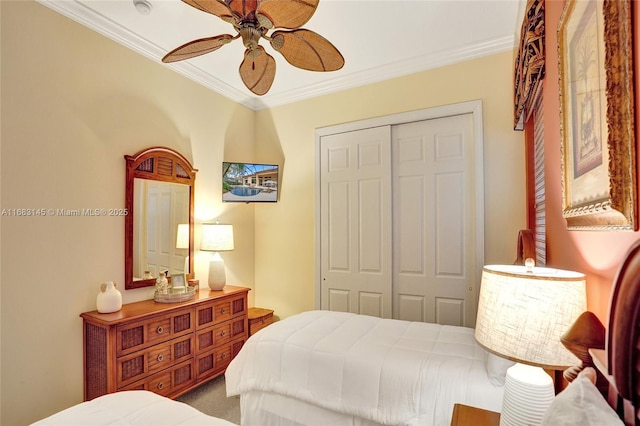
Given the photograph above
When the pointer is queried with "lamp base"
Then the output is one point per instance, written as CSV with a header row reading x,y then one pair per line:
x,y
217,275
528,392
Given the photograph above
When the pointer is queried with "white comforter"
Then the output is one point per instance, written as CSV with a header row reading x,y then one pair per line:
x,y
388,371
131,408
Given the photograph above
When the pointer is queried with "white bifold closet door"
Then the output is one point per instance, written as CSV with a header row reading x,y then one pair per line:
x,y
397,221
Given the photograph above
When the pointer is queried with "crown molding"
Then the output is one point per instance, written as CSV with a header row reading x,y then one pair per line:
x,y
394,70
87,17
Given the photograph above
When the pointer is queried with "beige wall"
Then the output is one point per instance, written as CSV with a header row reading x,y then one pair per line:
x,y
74,103
285,279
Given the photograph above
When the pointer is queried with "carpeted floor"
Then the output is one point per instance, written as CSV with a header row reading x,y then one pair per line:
x,y
211,398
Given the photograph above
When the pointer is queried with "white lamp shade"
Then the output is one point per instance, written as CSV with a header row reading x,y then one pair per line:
x,y
522,315
216,237
182,237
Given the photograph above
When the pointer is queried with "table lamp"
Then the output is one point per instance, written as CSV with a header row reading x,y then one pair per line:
x,y
216,237
182,242
522,313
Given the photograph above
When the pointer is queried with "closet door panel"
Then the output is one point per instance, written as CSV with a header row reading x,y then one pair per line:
x,y
355,223
433,231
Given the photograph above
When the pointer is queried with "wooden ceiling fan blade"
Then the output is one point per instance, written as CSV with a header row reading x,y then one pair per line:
x,y
307,50
258,70
197,47
243,8
214,7
288,14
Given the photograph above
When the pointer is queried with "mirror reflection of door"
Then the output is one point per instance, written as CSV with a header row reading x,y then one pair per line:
x,y
160,207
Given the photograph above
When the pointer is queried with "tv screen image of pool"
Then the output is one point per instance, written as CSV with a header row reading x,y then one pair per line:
x,y
249,182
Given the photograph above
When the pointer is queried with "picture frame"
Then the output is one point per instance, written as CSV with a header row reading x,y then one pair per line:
x,y
595,76
179,280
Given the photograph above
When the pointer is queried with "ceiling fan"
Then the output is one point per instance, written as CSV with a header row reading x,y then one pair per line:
x,y
253,19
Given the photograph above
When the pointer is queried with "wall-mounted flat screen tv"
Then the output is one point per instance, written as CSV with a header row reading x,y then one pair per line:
x,y
249,182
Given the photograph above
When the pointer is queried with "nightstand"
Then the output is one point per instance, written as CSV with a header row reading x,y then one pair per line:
x,y
465,415
259,318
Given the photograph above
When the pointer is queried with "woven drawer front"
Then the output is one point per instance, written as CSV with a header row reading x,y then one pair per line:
x,y
140,364
95,367
133,337
205,316
220,311
216,360
213,336
238,327
219,334
167,382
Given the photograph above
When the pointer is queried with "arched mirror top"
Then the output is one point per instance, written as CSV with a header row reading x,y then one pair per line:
x,y
160,186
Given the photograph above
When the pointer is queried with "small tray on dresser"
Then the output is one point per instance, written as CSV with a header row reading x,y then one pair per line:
x,y
175,295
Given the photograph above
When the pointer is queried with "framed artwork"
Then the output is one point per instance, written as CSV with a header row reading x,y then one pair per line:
x,y
178,280
597,115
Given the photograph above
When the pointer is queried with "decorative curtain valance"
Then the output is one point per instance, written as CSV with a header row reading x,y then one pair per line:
x,y
529,66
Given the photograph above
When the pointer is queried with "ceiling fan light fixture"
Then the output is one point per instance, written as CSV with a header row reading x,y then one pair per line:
x,y
264,22
250,36
143,6
253,19
277,42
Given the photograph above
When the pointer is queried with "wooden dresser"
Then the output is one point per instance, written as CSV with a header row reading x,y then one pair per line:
x,y
166,348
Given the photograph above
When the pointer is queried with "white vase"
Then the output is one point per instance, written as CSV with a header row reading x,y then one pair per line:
x,y
109,299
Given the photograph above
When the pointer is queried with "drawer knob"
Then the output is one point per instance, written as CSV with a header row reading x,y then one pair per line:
x,y
224,355
223,333
160,385
223,310
160,358
159,330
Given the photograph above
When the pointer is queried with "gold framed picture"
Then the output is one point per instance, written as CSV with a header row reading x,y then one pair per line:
x,y
597,115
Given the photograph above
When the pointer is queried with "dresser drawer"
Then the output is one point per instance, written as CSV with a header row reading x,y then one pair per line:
x,y
220,311
138,335
219,334
166,382
133,367
216,360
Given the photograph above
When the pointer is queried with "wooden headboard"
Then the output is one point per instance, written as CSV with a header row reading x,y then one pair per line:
x,y
618,363
526,247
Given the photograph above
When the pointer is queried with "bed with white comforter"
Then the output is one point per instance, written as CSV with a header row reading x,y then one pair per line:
x,y
323,367
130,408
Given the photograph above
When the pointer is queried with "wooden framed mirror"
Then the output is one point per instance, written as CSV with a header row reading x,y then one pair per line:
x,y
159,192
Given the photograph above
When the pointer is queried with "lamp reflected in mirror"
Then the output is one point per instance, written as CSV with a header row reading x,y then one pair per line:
x,y
182,242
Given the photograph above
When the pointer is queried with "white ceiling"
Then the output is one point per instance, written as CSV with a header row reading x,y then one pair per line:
x,y
379,39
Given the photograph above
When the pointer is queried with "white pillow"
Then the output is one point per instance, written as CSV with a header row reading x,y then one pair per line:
x,y
497,369
580,404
